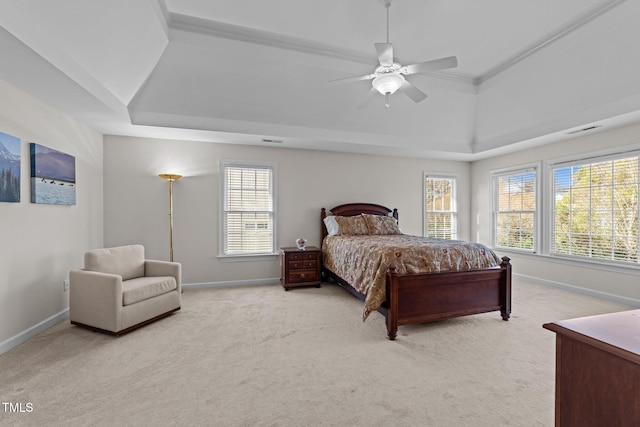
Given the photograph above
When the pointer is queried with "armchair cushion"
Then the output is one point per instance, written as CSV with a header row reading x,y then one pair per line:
x,y
142,288
125,261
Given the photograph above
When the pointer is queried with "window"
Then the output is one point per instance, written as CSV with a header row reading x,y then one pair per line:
x,y
248,204
595,209
441,220
514,209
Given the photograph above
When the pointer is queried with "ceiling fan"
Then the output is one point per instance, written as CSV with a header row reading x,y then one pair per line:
x,y
389,77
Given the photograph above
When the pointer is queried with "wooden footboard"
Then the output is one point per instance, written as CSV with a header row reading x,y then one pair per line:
x,y
421,298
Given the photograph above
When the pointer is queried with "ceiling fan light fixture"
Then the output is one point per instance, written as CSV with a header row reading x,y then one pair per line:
x,y
388,84
389,77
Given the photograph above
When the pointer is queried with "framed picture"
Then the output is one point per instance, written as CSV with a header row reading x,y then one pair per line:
x,y
53,176
9,168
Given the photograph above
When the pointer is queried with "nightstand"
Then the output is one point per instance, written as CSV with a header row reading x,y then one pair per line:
x,y
300,268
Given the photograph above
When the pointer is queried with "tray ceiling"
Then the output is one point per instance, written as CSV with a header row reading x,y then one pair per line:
x,y
242,71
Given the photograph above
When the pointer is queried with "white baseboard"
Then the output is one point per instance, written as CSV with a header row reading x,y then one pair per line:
x,y
577,289
18,339
254,282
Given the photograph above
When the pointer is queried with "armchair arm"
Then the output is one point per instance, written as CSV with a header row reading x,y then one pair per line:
x,y
155,268
95,299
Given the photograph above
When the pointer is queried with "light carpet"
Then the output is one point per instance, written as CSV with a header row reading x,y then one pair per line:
x,y
259,356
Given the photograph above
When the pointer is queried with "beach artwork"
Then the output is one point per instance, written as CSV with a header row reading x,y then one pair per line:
x,y
53,176
9,168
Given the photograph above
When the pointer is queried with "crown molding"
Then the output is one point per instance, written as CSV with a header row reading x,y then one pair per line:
x,y
208,27
161,9
561,33
265,38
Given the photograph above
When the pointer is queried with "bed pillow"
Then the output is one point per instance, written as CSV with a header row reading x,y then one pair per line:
x,y
332,225
352,225
378,224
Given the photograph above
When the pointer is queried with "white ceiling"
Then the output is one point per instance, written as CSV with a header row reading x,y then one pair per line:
x,y
240,71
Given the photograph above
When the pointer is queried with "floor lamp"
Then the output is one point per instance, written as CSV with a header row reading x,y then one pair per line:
x,y
170,178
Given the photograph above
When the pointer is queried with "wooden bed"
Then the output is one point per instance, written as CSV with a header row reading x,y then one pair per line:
x,y
427,297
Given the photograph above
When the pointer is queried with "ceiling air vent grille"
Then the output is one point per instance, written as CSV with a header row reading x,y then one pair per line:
x,y
584,129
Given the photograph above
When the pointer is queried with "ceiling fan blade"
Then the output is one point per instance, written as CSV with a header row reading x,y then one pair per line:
x,y
385,53
412,92
351,79
436,64
370,95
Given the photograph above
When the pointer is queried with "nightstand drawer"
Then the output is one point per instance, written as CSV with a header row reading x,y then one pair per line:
x,y
303,265
301,255
299,276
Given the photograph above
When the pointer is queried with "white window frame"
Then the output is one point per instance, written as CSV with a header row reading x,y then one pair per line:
x,y
454,202
593,158
520,170
229,163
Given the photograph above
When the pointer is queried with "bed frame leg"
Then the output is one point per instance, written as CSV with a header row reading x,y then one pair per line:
x,y
392,301
505,293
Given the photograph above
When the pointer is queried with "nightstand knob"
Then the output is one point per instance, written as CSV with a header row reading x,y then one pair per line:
x,y
302,276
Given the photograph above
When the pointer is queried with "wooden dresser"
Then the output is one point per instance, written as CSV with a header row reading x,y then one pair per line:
x,y
300,268
598,370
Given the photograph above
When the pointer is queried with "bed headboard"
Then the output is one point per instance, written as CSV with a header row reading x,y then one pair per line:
x,y
352,209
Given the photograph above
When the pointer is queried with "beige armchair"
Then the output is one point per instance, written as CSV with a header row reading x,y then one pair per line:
x,y
119,290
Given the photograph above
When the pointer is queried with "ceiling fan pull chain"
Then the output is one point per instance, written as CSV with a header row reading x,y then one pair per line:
x,y
386,100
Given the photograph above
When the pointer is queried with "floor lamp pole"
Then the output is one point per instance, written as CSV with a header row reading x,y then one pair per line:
x,y
170,178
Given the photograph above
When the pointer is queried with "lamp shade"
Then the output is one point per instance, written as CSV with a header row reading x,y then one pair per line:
x,y
388,83
170,176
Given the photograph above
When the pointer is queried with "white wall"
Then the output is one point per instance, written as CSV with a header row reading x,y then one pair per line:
x,y
40,243
589,277
136,200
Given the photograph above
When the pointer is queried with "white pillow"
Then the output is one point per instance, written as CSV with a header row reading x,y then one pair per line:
x,y
332,225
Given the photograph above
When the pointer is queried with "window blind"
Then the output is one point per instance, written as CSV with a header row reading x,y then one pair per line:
x,y
440,208
514,213
595,209
248,210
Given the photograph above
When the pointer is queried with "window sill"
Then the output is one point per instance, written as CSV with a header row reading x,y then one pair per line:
x,y
632,269
248,258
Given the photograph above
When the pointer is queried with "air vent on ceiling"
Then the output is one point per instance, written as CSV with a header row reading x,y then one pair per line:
x,y
584,129
273,141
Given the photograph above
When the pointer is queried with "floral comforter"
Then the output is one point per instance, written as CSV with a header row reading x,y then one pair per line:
x,y
363,261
